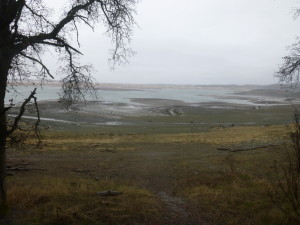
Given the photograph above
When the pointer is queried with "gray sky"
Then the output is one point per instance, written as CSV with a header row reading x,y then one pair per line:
x,y
200,42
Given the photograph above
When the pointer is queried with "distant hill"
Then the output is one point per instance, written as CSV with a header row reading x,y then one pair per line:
x,y
124,86
271,92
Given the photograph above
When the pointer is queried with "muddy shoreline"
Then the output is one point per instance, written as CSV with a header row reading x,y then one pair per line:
x,y
239,105
158,112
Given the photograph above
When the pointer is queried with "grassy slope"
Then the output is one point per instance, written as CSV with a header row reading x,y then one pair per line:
x,y
168,173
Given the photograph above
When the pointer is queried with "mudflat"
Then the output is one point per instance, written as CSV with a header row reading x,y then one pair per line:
x,y
172,163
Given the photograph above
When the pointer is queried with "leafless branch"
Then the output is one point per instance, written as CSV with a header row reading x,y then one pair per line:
x,y
289,71
45,68
36,125
22,111
39,15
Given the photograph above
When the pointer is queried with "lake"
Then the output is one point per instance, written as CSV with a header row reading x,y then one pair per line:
x,y
117,95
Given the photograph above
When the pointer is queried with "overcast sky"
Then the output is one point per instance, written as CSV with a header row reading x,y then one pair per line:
x,y
200,42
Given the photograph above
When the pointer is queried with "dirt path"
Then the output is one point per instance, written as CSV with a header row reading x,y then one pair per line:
x,y
157,170
176,212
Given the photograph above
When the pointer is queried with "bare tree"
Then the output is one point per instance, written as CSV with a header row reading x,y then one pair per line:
x,y
28,29
289,72
286,192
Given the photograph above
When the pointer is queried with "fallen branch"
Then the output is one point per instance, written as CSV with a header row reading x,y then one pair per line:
x,y
247,149
81,170
24,169
19,165
107,150
109,193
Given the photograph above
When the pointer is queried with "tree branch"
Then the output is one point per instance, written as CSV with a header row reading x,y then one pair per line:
x,y
10,11
59,26
45,68
18,15
21,113
38,15
36,125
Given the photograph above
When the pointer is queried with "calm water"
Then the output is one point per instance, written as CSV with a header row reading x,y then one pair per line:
x,y
116,96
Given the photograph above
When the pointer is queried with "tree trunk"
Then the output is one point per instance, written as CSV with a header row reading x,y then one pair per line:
x,y
4,68
6,56
3,203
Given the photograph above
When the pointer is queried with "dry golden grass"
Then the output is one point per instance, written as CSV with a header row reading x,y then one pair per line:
x,y
217,136
225,188
231,198
64,201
